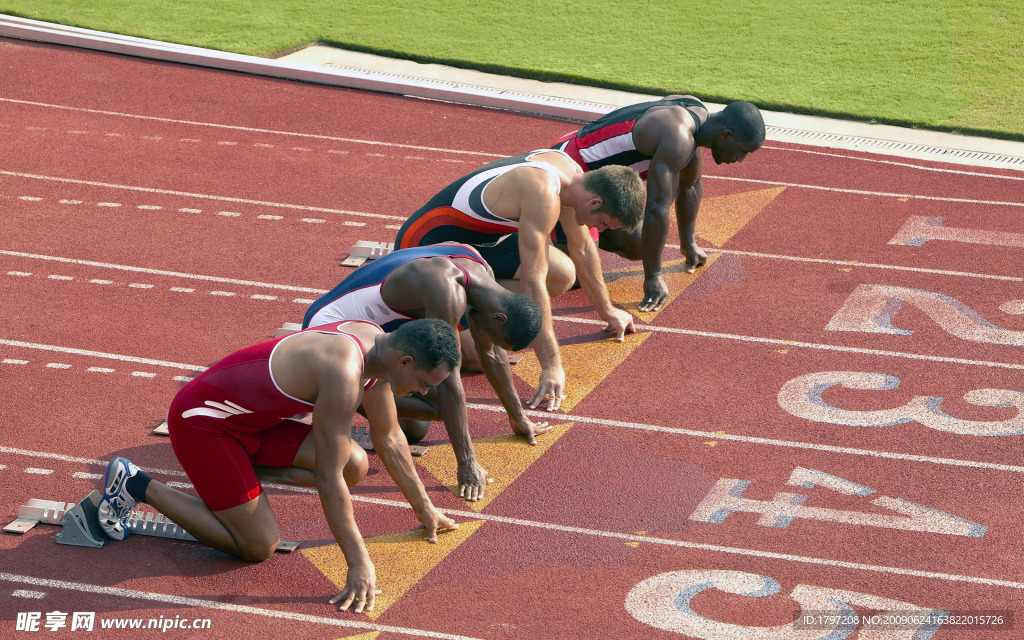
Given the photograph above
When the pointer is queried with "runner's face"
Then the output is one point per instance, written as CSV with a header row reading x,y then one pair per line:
x,y
733,150
601,221
408,380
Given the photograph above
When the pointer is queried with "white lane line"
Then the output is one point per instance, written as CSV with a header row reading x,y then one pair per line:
x,y
717,435
98,281
161,272
150,207
864,192
585,531
14,361
37,471
66,458
137,285
229,214
182,290
81,475
19,273
29,198
98,354
57,365
108,204
26,593
100,370
143,374
260,296
226,294
72,201
204,196
270,217
898,164
854,263
408,146
60,277
806,345
313,220
201,603
252,129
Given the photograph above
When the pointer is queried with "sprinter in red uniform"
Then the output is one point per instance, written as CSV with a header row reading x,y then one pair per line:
x,y
236,424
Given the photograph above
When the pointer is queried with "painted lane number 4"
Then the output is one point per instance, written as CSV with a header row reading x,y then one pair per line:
x,y
726,498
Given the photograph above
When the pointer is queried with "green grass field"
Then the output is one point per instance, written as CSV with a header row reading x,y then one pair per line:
x,y
944,64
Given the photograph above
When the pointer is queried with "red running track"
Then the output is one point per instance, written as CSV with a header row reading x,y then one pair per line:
x,y
825,420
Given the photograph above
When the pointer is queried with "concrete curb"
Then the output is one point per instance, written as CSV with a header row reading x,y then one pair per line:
x,y
337,67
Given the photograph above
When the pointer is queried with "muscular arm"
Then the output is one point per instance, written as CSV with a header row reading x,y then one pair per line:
x,y
335,406
583,253
672,148
687,204
535,223
496,367
390,444
445,300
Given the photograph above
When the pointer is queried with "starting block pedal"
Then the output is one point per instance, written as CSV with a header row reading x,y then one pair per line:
x,y
81,526
161,430
287,328
367,250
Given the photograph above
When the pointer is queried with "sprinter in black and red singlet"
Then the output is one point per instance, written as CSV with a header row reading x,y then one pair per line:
x,y
660,139
507,210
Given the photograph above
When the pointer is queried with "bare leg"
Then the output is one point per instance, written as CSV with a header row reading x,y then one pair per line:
x,y
300,474
561,274
247,531
470,358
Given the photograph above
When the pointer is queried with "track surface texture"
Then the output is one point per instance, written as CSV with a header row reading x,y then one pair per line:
x,y
824,421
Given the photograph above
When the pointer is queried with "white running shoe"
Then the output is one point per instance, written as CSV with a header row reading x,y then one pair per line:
x,y
116,505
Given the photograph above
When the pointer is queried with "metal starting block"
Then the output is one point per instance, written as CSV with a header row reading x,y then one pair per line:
x,y
287,328
367,250
81,525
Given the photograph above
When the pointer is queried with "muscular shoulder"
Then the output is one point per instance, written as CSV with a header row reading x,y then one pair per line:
x,y
305,362
665,128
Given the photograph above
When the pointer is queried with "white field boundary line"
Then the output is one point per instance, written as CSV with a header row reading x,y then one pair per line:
x,y
162,272
204,196
232,127
202,603
613,274
483,154
629,537
187,194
